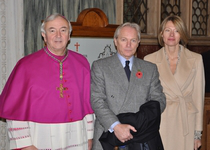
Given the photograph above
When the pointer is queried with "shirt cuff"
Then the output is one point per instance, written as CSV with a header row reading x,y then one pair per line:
x,y
111,129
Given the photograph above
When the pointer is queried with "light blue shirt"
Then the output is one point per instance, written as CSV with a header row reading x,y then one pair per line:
x,y
122,60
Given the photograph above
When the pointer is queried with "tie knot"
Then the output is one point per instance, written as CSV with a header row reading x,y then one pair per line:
x,y
127,63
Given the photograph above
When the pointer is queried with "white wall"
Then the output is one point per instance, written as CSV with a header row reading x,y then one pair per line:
x,y
11,47
93,48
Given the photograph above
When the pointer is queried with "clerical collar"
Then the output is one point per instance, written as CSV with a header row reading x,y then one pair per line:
x,y
48,51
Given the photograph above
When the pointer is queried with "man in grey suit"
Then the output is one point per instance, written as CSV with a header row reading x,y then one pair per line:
x,y
113,92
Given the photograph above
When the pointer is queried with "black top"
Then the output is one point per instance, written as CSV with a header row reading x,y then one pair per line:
x,y
146,121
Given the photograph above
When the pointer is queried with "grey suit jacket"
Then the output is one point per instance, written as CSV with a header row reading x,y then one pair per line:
x,y
112,93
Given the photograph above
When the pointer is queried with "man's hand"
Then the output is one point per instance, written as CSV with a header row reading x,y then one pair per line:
x,y
197,144
122,132
30,148
90,144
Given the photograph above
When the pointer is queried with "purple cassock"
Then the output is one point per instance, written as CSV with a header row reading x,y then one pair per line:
x,y
33,93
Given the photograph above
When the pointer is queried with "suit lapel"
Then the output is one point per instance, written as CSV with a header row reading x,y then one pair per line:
x,y
134,81
120,77
118,73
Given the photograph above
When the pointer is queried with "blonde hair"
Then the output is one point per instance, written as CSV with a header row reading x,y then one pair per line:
x,y
180,26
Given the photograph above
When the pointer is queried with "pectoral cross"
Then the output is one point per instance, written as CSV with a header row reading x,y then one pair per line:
x,y
61,89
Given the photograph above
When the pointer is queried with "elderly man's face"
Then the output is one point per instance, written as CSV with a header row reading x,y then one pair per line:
x,y
127,42
57,35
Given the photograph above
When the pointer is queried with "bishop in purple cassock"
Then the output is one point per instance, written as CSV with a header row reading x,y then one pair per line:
x,y
46,100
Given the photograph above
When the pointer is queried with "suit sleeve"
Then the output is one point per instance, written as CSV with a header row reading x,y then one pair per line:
x,y
99,103
156,89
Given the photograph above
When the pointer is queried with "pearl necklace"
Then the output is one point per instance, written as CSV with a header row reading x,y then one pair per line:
x,y
60,88
178,58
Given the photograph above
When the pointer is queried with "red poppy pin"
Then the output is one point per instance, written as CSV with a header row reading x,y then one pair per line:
x,y
139,74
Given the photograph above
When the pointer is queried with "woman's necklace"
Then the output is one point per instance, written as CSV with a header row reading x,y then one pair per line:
x,y
60,88
178,58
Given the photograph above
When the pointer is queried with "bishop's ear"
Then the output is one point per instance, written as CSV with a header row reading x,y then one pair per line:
x,y
44,36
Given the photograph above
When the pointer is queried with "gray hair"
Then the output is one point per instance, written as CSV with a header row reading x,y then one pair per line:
x,y
133,25
52,17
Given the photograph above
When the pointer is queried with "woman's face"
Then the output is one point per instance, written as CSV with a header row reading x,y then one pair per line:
x,y
171,36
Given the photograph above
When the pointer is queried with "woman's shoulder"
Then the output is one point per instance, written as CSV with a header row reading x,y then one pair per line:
x,y
192,54
152,56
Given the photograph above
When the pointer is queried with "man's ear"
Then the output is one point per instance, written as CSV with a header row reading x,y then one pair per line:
x,y
69,37
115,41
44,36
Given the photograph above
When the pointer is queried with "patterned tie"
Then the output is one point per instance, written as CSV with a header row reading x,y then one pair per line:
x,y
127,69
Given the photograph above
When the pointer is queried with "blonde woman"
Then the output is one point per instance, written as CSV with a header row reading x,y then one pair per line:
x,y
182,77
